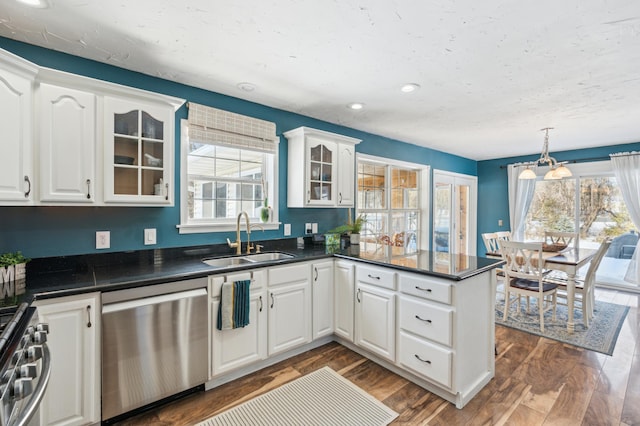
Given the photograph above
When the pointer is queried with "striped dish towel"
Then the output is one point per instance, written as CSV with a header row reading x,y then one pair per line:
x,y
233,311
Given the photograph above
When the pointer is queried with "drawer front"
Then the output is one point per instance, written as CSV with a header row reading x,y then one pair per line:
x,y
426,319
425,359
381,277
426,287
290,274
256,277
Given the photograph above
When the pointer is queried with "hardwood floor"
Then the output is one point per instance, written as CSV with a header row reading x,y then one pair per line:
x,y
538,382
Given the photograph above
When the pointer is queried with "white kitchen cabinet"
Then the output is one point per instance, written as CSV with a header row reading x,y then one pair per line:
x,y
138,152
322,295
16,116
289,302
233,349
321,167
343,299
73,394
375,322
67,139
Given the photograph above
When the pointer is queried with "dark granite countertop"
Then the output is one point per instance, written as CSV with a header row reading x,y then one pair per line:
x,y
69,275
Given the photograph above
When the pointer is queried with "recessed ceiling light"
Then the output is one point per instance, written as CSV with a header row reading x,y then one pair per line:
x,y
247,87
40,4
410,87
356,105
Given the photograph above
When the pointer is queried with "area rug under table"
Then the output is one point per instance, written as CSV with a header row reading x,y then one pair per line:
x,y
601,335
320,398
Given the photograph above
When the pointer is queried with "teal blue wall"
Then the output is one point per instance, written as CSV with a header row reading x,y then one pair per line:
x,y
55,231
493,193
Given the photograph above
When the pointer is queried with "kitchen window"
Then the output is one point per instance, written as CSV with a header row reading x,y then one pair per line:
x,y
225,172
393,198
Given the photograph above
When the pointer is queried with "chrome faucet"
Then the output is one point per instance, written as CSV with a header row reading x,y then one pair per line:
x,y
238,244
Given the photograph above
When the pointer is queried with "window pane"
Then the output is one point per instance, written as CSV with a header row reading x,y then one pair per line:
x,y
227,168
602,209
552,208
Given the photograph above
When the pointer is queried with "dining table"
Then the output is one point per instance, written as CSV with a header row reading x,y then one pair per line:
x,y
569,261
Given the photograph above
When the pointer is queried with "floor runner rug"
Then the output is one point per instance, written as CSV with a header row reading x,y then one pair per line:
x,y
601,335
320,398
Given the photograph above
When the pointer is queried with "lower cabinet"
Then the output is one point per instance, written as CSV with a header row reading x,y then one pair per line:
x,y
73,394
322,295
289,302
231,349
343,299
376,320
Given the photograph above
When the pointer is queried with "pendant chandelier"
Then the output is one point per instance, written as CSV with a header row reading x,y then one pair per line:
x,y
556,170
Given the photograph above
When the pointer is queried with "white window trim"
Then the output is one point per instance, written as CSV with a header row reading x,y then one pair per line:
x,y
228,224
425,192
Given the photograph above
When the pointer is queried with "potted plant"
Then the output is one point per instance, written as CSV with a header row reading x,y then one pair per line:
x,y
352,228
12,274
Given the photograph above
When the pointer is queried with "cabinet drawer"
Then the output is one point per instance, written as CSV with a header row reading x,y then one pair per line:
x,y
426,287
425,359
215,281
289,274
426,319
381,277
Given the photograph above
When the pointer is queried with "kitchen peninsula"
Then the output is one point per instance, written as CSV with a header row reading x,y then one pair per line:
x,y
427,316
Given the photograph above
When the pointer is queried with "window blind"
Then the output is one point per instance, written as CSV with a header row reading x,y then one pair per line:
x,y
218,127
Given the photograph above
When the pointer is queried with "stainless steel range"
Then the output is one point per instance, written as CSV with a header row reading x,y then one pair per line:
x,y
24,365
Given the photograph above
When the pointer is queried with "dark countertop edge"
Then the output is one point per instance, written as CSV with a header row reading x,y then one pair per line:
x,y
190,268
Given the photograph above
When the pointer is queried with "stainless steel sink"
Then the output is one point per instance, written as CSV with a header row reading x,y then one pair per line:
x,y
268,257
229,261
225,262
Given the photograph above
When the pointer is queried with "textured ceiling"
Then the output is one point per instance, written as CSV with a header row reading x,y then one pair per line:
x,y
492,73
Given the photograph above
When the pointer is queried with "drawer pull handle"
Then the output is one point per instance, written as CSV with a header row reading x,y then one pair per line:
x,y
358,295
88,316
426,361
428,290
260,303
422,319
26,194
316,271
88,189
272,300
372,277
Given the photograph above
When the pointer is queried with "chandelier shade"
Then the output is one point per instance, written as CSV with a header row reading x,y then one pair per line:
x,y
556,170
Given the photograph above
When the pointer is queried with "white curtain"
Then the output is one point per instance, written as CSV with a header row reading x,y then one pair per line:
x,y
626,166
520,197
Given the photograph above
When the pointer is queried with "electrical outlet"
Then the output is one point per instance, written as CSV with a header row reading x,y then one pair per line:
x,y
287,229
307,228
499,222
103,239
314,228
149,236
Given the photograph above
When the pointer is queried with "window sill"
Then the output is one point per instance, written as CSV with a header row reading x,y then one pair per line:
x,y
223,227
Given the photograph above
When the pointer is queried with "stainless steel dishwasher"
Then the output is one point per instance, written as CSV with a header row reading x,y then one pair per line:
x,y
154,344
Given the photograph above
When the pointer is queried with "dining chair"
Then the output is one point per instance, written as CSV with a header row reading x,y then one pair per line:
x,y
492,249
585,286
504,235
524,276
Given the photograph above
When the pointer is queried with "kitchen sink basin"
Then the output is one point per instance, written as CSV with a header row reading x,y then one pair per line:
x,y
230,261
268,257
226,262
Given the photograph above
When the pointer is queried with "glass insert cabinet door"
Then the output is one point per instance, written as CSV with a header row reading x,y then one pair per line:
x,y
321,171
138,153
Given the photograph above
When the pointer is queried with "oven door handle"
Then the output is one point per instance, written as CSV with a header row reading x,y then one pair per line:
x,y
36,397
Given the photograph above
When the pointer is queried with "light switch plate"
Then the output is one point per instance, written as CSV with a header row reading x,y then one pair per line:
x,y
287,229
499,222
149,236
103,239
307,228
314,228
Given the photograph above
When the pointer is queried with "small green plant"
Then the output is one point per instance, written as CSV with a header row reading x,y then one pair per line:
x,y
8,259
353,227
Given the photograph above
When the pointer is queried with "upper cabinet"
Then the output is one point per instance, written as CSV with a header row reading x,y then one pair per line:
x,y
74,140
321,169
16,110
67,131
138,152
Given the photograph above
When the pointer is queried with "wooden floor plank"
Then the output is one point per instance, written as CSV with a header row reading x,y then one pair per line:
x,y
537,382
